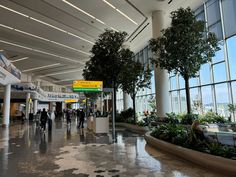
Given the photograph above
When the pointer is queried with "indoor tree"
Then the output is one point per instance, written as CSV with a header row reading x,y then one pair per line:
x,y
134,76
184,47
106,61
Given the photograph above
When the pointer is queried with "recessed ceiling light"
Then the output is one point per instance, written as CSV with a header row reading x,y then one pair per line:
x,y
47,24
20,59
38,37
122,13
63,72
41,67
40,51
86,13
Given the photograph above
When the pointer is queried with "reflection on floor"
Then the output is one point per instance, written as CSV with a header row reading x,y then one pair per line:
x,y
25,151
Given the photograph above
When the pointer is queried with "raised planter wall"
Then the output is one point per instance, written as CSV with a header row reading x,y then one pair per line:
x,y
215,163
134,128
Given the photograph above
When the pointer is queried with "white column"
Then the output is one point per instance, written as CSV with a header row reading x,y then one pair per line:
x,y
161,76
7,100
52,109
27,106
35,106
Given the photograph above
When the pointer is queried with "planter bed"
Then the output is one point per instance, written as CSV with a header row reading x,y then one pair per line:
x,y
215,163
134,128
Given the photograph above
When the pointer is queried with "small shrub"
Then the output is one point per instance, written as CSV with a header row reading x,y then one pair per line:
x,y
128,113
211,117
141,123
187,119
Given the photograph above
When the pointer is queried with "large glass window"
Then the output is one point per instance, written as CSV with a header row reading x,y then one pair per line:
x,y
229,15
183,101
219,72
195,99
217,29
153,87
231,45
207,102
219,55
222,99
175,101
181,82
173,83
213,12
205,74
193,82
233,84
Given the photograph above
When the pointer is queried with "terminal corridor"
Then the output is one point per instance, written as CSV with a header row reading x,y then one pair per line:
x,y
25,151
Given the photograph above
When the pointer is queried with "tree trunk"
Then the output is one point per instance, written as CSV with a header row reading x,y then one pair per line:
x,y
187,94
134,107
114,91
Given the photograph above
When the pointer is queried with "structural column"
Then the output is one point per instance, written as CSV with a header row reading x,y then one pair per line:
x,y
7,100
52,109
27,108
161,76
35,106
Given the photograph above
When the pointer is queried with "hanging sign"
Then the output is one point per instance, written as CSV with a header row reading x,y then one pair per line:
x,y
87,86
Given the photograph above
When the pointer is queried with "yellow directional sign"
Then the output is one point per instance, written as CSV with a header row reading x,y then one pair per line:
x,y
87,86
71,101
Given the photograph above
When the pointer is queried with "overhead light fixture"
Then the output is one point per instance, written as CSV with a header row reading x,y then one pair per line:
x,y
63,72
38,37
122,13
20,59
40,51
86,13
1,50
41,67
63,80
47,24
19,13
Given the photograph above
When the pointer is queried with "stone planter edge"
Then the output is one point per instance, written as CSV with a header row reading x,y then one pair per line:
x,y
215,163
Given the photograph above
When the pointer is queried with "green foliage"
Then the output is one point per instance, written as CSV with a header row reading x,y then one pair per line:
x,y
127,113
180,135
184,47
231,108
173,133
211,117
187,119
141,123
171,118
133,77
219,150
107,58
152,103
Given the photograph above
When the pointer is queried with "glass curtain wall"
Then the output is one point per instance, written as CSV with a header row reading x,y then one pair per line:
x,y
215,87
145,97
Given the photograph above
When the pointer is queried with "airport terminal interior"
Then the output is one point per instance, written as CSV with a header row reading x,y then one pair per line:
x,y
50,128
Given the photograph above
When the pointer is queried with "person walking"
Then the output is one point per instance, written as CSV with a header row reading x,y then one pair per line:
x,y
43,119
81,120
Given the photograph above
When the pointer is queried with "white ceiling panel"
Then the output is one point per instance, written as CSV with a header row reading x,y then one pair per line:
x,y
53,31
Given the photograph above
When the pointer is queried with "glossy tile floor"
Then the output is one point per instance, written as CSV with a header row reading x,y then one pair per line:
x,y
25,151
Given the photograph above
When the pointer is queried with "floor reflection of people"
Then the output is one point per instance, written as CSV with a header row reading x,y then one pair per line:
x,y
68,133
81,135
49,136
43,144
